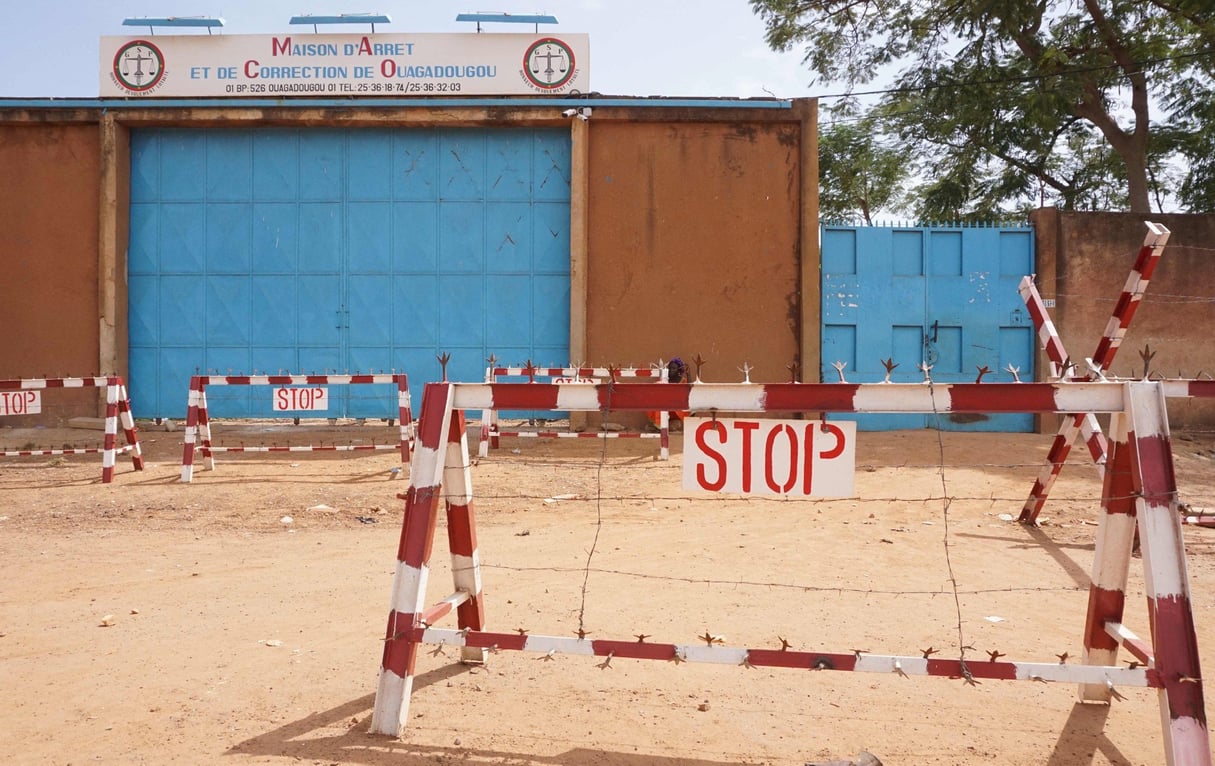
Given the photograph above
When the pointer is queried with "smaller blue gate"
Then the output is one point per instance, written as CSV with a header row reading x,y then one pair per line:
x,y
944,295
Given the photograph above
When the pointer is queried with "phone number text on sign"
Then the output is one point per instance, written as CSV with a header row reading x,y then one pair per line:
x,y
806,458
20,402
297,399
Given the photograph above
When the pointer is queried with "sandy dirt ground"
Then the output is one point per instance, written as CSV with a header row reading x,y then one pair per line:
x,y
238,635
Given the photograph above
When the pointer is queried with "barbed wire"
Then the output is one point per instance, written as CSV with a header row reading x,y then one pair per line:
x,y
775,585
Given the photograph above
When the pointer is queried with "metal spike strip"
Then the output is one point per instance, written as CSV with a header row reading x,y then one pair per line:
x,y
717,654
1115,330
197,436
117,407
491,432
796,397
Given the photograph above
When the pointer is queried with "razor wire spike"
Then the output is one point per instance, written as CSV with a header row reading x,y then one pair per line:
x,y
493,360
793,369
444,358
890,366
839,369
746,371
982,371
530,370
1147,354
1095,368
926,368
699,361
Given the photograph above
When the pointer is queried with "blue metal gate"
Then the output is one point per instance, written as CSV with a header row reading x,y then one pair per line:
x,y
944,295
329,250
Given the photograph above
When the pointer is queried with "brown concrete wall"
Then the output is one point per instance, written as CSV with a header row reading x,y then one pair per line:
x,y
48,252
694,245
694,230
1083,263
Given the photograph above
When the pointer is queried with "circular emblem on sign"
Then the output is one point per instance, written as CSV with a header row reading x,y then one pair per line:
x,y
548,63
139,65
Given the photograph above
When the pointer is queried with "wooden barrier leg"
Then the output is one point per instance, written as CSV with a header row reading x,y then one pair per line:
x,y
1182,705
109,444
128,427
204,428
1111,560
413,562
404,416
191,434
462,535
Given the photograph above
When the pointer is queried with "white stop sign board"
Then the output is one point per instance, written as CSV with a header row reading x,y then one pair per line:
x,y
310,399
20,402
801,458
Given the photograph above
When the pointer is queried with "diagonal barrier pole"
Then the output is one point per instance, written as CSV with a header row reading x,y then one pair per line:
x,y
1115,330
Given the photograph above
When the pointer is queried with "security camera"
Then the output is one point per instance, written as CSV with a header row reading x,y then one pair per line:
x,y
569,113
584,113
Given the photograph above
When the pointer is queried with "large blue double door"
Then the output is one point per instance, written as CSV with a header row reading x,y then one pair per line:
x,y
334,251
942,296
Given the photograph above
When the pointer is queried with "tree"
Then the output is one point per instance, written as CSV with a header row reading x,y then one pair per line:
x,y
858,174
1009,95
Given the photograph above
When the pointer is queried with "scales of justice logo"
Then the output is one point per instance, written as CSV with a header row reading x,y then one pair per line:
x,y
139,66
548,63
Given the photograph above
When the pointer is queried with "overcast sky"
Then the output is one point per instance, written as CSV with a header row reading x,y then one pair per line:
x,y
638,47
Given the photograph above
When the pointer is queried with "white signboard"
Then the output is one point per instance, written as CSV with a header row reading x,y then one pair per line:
x,y
806,458
313,398
345,65
20,402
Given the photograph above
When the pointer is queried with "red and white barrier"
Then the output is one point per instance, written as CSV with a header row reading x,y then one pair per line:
x,y
440,470
491,431
285,399
1085,426
22,396
1111,340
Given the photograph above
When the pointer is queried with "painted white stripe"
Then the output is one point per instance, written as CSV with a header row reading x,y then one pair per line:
x,y
727,397
475,396
426,470
713,655
1088,397
1164,573
409,588
391,704
1109,566
1081,674
901,397
457,474
466,572
578,397
559,645
1191,741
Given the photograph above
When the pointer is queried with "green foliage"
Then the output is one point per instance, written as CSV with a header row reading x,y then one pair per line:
x,y
859,174
1014,103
